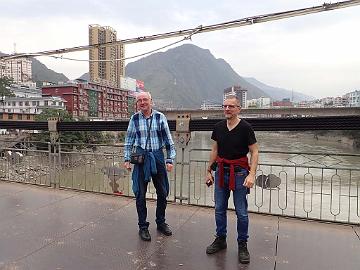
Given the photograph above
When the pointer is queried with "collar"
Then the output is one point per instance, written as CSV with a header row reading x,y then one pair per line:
x,y
143,115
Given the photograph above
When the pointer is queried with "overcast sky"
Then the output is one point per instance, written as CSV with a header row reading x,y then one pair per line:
x,y
315,54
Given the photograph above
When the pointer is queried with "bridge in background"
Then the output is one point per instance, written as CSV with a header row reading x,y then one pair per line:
x,y
272,112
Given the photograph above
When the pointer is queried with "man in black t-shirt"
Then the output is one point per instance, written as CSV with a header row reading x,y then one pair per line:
x,y
233,139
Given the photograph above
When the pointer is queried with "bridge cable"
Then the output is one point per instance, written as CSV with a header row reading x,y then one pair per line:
x,y
201,29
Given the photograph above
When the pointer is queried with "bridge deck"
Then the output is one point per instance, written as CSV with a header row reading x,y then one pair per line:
x,y
44,228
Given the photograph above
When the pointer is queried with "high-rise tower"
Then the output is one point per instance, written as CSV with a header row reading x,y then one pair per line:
x,y
107,71
240,92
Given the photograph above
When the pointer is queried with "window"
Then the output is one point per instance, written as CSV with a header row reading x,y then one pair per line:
x,y
10,116
34,103
28,117
20,103
27,103
19,116
46,103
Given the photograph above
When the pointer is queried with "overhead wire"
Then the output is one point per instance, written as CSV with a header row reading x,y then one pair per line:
x,y
125,58
220,26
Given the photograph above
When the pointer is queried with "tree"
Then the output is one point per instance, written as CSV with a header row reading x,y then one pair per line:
x,y
80,137
5,83
50,113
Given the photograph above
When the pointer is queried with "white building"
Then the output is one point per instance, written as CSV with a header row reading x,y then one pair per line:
x,y
33,105
18,69
340,101
207,105
240,92
25,91
262,102
327,101
353,98
128,83
252,103
2,68
309,104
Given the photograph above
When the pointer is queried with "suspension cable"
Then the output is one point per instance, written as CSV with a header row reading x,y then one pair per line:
x,y
201,29
124,58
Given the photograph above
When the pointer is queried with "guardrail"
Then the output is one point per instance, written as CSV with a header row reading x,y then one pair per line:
x,y
322,186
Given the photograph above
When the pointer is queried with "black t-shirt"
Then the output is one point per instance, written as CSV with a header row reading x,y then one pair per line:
x,y
233,144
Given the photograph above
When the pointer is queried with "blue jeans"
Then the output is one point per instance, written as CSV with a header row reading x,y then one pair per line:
x,y
161,193
240,201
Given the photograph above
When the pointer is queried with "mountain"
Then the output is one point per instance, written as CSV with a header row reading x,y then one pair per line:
x,y
85,76
41,73
187,75
277,93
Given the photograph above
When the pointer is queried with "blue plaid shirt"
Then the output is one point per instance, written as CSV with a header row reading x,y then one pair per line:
x,y
160,135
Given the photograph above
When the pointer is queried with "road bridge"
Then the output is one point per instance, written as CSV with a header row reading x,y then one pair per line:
x,y
272,112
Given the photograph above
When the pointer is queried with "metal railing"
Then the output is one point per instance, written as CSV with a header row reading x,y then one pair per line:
x,y
323,186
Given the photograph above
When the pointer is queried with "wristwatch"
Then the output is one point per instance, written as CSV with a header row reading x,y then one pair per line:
x,y
169,161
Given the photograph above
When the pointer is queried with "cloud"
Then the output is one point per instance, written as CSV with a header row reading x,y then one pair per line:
x,y
292,53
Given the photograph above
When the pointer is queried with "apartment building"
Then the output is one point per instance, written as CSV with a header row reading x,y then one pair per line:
x,y
104,68
18,69
261,102
240,92
25,90
353,98
26,108
91,100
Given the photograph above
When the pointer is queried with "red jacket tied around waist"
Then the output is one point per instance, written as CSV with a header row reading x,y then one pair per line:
x,y
242,162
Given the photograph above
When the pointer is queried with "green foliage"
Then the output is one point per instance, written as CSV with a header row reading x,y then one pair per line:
x,y
121,136
50,113
5,83
82,139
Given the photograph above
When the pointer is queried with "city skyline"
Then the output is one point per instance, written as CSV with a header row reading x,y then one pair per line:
x,y
315,54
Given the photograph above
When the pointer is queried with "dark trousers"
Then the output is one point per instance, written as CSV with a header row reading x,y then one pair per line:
x,y
161,193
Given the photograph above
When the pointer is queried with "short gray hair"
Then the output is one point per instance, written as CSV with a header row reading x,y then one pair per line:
x,y
234,96
148,93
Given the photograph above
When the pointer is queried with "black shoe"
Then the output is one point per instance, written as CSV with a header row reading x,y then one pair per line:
x,y
244,256
164,229
218,244
144,234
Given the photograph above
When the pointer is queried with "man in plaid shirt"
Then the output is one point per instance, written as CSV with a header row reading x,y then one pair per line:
x,y
155,165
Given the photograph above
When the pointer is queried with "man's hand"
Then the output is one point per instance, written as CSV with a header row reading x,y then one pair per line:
x,y
209,179
249,180
169,167
127,165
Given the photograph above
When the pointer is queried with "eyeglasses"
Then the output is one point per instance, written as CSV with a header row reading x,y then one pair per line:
x,y
230,106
